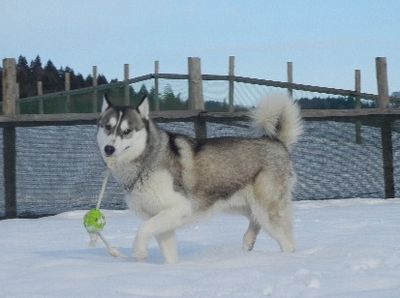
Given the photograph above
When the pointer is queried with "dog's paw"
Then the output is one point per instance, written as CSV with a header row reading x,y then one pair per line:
x,y
139,251
248,246
140,256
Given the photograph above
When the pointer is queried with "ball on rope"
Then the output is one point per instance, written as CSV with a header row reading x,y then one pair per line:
x,y
94,221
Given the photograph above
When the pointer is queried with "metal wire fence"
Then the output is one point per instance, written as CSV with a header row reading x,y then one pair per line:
x,y
170,88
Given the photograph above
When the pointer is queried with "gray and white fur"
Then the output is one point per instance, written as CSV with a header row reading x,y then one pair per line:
x,y
171,179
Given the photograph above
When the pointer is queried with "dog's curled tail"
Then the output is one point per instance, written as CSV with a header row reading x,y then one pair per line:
x,y
278,116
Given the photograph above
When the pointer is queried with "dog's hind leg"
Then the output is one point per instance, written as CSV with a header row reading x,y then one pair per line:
x,y
279,227
272,209
167,243
249,238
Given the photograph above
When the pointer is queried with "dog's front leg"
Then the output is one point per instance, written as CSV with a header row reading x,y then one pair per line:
x,y
160,225
167,243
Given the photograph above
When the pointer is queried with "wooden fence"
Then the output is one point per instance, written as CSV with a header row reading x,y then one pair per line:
x,y
12,101
196,113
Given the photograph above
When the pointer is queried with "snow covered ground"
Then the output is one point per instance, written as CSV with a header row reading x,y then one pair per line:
x,y
345,248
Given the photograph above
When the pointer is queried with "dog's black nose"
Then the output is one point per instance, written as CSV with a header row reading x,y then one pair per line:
x,y
109,150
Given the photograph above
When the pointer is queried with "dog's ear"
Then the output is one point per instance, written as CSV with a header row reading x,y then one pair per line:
x,y
106,103
143,107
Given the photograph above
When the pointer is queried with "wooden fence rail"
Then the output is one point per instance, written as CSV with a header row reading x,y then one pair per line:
x,y
205,77
231,78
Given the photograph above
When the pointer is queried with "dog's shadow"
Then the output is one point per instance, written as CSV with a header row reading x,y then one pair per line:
x,y
187,251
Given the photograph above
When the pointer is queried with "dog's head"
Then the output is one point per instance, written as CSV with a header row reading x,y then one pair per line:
x,y
122,130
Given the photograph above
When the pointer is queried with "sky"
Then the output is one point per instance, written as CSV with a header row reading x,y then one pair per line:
x,y
325,40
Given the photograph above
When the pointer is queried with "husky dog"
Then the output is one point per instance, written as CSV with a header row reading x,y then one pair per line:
x,y
172,179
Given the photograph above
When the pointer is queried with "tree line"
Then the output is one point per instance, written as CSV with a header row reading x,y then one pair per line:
x,y
53,79
341,102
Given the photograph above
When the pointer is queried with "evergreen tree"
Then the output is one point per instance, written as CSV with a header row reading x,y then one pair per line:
x,y
37,69
170,101
78,81
152,98
52,80
89,81
101,80
24,77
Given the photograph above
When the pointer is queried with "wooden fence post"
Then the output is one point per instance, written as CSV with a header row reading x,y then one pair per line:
x,y
9,170
357,88
156,86
10,94
10,87
126,87
39,86
94,83
387,156
67,83
386,126
382,79
196,99
17,104
231,74
290,78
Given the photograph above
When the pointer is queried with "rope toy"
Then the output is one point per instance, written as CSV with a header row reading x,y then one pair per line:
x,y
94,222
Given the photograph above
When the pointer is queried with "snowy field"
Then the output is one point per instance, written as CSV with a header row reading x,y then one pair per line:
x,y
345,248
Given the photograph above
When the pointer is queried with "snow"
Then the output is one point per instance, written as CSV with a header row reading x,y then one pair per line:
x,y
345,248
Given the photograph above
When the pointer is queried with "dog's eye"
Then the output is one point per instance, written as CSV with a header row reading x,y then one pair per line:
x,y
127,132
107,127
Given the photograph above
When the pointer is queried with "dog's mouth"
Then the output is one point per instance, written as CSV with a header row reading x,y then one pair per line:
x,y
126,148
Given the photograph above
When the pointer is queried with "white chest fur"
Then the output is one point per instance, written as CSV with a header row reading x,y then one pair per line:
x,y
157,194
